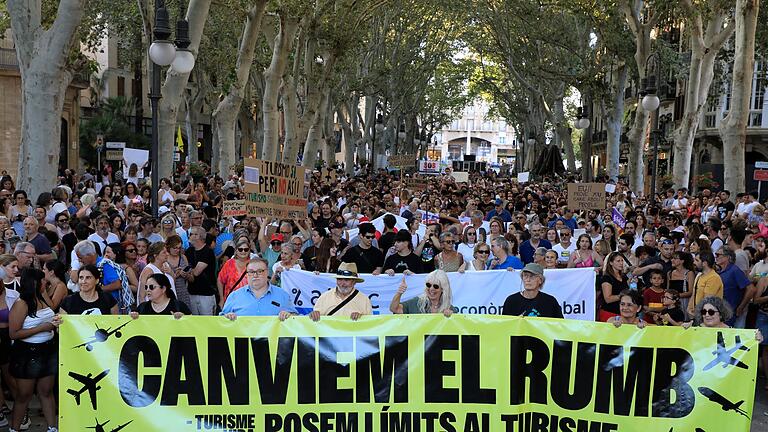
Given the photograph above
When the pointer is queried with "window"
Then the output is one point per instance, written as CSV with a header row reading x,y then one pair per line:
x,y
709,121
502,126
759,96
455,125
502,139
755,119
120,86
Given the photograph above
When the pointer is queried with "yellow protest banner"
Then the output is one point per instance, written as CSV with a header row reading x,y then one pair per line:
x,y
402,373
275,189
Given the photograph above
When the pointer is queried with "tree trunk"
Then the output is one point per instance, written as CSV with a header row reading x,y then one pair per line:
x,y
226,113
174,86
705,46
281,48
563,130
733,127
45,76
586,143
613,123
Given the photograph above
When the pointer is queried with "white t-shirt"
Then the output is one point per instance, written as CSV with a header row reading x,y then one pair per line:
x,y
467,251
744,208
111,238
564,254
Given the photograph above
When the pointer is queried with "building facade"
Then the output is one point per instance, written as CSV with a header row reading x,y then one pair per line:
x,y
475,133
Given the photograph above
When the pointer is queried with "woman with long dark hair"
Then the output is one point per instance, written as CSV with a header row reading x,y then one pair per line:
x,y
682,276
162,300
327,261
55,275
32,326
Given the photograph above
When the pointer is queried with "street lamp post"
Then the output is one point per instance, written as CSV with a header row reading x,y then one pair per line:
x,y
650,103
162,52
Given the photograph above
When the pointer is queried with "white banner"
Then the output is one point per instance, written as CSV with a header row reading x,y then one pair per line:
x,y
481,292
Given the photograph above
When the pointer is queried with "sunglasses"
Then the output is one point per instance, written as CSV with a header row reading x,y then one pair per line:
x,y
710,312
130,250
431,285
470,233
448,241
276,242
370,237
243,249
484,252
63,220
152,287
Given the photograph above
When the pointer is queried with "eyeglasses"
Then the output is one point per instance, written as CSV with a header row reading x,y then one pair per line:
x,y
152,287
286,232
484,252
256,272
448,241
245,249
431,285
710,312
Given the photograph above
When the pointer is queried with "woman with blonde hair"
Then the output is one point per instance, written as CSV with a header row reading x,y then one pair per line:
x,y
436,298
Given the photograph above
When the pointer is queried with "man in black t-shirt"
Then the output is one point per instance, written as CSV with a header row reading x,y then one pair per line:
x,y
367,258
201,277
726,207
404,260
387,238
531,302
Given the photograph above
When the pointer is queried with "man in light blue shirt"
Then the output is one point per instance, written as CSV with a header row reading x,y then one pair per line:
x,y
258,298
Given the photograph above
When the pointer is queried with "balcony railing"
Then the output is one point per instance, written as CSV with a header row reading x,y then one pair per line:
x,y
8,59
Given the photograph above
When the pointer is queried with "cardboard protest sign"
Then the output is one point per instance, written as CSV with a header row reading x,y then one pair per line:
x,y
275,189
233,208
586,196
402,161
461,177
415,183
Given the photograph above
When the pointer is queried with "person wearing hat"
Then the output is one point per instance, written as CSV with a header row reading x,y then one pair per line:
x,y
499,211
403,260
148,230
344,299
259,297
531,301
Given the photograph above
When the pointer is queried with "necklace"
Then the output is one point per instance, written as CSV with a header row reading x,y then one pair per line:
x,y
161,308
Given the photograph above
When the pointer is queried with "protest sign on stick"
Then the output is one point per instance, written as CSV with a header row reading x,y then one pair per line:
x,y
275,189
586,196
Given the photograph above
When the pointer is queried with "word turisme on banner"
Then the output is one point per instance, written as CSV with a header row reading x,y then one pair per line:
x,y
275,189
402,373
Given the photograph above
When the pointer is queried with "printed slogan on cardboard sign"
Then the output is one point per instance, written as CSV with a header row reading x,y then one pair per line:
x,y
275,189
413,373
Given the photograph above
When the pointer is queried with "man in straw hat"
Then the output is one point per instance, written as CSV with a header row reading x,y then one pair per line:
x,y
345,299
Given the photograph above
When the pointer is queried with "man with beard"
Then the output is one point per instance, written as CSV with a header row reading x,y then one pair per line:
x,y
624,246
708,283
102,237
662,262
344,299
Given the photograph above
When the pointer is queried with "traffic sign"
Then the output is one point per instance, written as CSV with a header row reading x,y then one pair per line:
x,y
762,165
760,175
116,145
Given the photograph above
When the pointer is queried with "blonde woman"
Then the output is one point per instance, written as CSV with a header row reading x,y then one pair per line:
x,y
437,297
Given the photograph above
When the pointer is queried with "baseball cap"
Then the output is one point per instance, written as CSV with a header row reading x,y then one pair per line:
x,y
277,237
533,269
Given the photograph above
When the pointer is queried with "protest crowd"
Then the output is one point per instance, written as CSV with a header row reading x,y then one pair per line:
x,y
91,246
